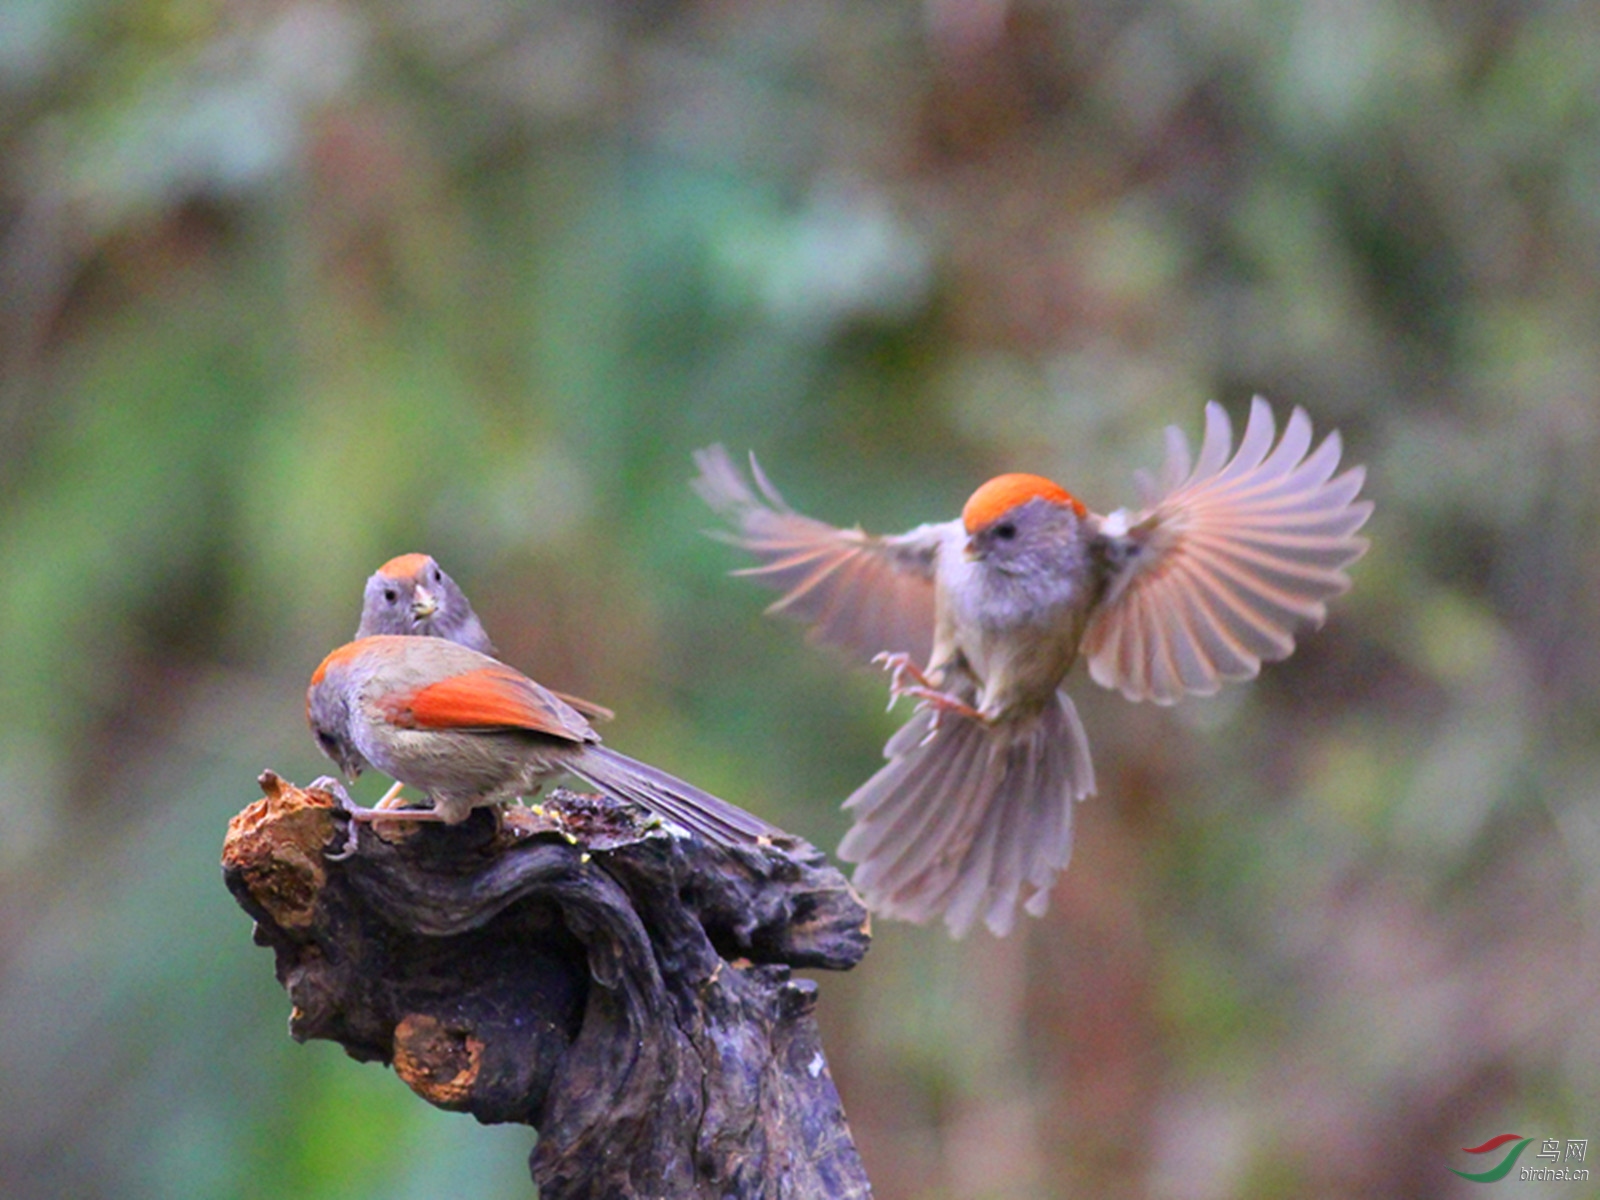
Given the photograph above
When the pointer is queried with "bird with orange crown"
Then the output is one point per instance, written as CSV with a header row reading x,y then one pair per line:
x,y
981,618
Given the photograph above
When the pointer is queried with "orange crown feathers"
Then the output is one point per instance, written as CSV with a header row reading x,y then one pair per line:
x,y
405,566
1004,492
342,655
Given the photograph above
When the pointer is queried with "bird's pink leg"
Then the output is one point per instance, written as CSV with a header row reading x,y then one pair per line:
x,y
394,814
941,703
391,798
356,813
899,664
902,666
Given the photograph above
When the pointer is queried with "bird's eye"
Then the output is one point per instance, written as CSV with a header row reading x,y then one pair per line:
x,y
390,595
438,576
329,743
1005,531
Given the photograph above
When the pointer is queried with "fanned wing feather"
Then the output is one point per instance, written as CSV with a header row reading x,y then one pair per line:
x,y
866,594
1228,558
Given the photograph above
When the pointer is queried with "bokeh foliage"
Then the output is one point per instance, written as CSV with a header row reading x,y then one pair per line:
x,y
288,288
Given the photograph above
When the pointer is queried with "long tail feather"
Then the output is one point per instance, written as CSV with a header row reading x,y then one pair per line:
x,y
669,797
959,823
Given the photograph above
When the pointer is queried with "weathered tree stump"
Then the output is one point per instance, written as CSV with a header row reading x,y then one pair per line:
x,y
578,968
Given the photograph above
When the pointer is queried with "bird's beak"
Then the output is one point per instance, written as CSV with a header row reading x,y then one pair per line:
x,y
351,764
972,549
424,604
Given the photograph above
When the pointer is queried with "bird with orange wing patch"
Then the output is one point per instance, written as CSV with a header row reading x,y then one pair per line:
x,y
412,595
468,730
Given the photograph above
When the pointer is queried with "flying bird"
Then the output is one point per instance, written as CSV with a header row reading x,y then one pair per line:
x,y
981,618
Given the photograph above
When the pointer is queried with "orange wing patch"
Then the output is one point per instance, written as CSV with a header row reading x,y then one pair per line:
x,y
406,566
494,697
1004,492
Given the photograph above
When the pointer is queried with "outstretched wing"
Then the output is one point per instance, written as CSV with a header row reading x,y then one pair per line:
x,y
1227,561
867,594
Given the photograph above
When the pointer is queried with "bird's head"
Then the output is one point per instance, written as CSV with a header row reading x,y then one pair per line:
x,y
411,596
328,710
1013,520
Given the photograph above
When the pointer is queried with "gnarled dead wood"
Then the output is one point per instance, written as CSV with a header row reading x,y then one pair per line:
x,y
576,967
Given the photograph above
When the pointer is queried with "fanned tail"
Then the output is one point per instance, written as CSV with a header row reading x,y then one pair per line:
x,y
669,797
959,822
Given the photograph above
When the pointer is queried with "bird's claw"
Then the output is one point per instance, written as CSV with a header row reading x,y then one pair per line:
x,y
942,704
350,844
392,798
330,785
899,664
902,666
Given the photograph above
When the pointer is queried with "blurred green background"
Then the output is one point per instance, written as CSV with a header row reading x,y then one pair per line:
x,y
288,288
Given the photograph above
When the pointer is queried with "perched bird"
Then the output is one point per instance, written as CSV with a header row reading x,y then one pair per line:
x,y
411,595
468,730
981,618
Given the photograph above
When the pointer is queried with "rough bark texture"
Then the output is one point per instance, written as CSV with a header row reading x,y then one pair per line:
x,y
578,968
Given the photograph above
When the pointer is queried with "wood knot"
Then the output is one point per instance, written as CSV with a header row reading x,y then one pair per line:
x,y
275,845
440,1064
